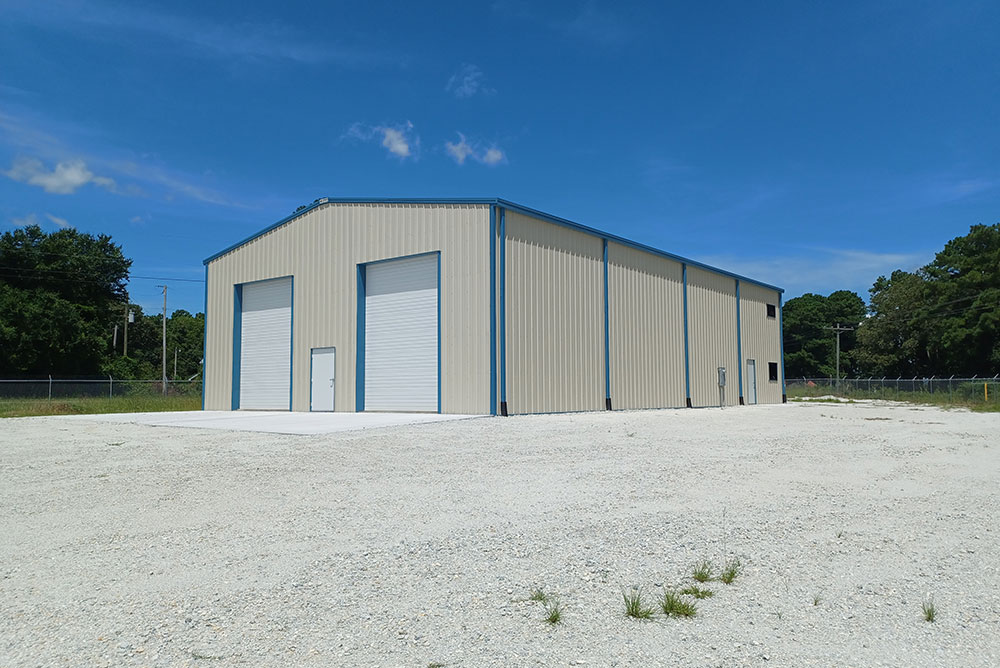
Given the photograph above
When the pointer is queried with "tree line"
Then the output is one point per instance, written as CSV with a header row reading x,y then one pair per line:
x,y
62,293
61,296
942,319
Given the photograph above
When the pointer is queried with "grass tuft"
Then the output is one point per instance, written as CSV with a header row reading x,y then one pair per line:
x,y
698,593
816,599
930,612
554,612
731,570
702,571
538,595
634,607
674,606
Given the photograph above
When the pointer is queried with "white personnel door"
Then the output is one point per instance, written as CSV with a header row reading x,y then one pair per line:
x,y
401,335
751,382
266,345
323,369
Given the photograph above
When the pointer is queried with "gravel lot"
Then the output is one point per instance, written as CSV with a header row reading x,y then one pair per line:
x,y
136,545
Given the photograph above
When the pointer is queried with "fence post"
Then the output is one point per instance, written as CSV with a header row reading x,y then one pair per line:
x,y
111,386
50,387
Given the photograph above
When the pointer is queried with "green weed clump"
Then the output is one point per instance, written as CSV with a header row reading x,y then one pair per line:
x,y
702,571
634,607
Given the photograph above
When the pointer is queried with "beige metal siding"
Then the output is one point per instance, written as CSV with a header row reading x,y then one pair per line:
x,y
761,338
555,317
322,249
712,336
646,315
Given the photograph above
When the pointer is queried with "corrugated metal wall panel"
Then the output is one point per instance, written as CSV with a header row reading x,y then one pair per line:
x,y
322,249
761,338
712,336
646,311
555,317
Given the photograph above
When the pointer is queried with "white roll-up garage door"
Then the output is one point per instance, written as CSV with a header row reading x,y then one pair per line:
x,y
266,345
401,335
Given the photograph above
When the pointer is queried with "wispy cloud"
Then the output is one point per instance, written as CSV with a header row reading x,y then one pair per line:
x,y
34,219
468,81
61,222
200,37
822,270
401,141
591,23
64,179
596,24
463,149
25,221
75,168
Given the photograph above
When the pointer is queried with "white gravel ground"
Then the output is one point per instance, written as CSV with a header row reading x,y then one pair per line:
x,y
125,544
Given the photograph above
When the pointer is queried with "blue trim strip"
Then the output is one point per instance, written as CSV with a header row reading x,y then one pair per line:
x,y
493,309
607,330
311,379
359,359
739,338
439,328
204,341
237,343
781,343
291,346
489,201
687,355
503,305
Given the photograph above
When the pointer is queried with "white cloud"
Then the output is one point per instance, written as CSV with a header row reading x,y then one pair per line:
x,y
65,179
395,141
459,151
400,140
493,156
464,149
467,81
61,222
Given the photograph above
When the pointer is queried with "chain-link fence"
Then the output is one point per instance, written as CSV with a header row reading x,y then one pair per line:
x,y
67,388
950,389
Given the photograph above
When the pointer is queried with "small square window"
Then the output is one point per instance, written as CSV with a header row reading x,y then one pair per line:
x,y
772,372
771,311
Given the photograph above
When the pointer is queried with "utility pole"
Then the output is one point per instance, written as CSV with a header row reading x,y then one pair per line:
x,y
175,363
839,330
128,318
163,378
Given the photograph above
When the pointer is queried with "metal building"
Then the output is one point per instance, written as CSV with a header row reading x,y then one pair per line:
x,y
476,306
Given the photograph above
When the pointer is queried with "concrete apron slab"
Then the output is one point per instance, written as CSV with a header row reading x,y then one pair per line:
x,y
273,422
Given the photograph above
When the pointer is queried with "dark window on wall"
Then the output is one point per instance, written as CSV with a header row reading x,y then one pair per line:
x,y
771,311
772,371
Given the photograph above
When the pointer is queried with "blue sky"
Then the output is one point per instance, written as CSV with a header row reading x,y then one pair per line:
x,y
810,145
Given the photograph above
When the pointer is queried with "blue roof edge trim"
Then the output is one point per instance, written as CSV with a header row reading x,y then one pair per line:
x,y
528,211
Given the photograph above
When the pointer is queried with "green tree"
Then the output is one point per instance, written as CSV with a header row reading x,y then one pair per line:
x,y
943,319
810,346
58,293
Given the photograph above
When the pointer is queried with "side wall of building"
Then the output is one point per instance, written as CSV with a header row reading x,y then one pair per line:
x,y
554,292
322,249
712,336
646,326
761,339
